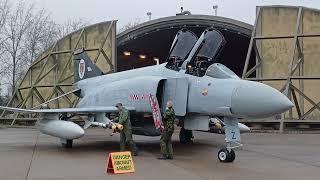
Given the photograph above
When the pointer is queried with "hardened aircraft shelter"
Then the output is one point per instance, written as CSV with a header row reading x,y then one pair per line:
x,y
281,49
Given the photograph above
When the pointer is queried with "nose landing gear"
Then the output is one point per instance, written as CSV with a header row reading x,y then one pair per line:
x,y
226,155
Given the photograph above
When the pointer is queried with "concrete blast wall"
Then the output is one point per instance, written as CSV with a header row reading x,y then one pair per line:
x,y
52,74
288,40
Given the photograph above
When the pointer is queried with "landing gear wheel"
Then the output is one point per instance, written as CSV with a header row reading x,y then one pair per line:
x,y
232,156
68,144
224,155
185,136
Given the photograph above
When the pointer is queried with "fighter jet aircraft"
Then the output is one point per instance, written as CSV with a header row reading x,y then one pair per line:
x,y
206,95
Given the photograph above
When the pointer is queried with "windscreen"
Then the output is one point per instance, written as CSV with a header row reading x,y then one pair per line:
x,y
220,71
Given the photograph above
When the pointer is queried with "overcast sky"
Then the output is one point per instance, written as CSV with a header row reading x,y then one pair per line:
x,y
132,10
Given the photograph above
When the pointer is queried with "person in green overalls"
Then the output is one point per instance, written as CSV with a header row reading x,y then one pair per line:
x,y
126,132
165,140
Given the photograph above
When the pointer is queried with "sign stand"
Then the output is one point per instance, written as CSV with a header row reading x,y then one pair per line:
x,y
120,163
110,165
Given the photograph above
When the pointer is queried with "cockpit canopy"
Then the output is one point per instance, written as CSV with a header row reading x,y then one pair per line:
x,y
182,44
198,56
204,52
220,71
180,48
210,43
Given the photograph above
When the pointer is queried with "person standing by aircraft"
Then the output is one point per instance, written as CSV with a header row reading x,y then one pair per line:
x,y
126,132
165,140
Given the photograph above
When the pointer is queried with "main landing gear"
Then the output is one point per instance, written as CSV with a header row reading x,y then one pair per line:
x,y
185,136
67,143
226,155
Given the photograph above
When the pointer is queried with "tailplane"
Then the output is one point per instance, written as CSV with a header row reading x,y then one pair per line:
x,y
83,66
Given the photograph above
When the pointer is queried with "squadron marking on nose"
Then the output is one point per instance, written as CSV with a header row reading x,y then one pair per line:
x,y
205,92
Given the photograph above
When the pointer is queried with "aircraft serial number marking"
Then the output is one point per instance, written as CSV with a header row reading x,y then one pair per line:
x,y
138,97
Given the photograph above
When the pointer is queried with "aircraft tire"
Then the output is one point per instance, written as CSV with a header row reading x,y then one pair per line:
x,y
185,136
68,144
225,156
231,155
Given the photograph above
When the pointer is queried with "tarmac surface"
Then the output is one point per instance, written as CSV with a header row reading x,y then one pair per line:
x,y
28,154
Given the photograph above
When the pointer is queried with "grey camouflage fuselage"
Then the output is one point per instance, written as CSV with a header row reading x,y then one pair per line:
x,y
205,95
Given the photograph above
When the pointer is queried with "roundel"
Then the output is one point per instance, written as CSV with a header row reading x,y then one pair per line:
x,y
82,68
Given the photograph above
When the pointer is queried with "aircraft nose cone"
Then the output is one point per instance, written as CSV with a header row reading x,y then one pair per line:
x,y
253,99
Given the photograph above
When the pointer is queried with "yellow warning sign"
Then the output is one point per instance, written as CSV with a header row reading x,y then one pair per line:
x,y
120,162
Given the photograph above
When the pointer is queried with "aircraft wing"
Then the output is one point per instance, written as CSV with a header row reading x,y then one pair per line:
x,y
96,109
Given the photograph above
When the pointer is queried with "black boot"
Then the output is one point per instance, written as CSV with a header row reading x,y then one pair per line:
x,y
163,157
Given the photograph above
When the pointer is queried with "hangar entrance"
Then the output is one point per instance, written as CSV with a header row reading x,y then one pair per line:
x,y
150,42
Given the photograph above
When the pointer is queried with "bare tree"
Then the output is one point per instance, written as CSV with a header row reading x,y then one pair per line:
x,y
3,99
25,32
19,20
69,26
4,10
129,25
40,35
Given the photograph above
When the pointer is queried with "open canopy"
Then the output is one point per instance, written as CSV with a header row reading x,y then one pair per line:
x,y
180,48
182,44
204,52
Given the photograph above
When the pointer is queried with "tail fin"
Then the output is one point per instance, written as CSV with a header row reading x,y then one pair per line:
x,y
83,67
